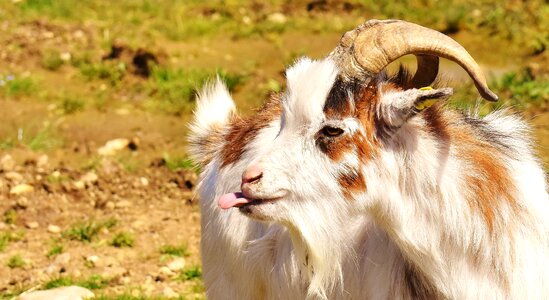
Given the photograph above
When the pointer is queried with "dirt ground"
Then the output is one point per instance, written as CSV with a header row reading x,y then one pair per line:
x,y
127,222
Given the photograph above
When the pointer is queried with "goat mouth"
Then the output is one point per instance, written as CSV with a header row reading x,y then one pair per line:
x,y
240,201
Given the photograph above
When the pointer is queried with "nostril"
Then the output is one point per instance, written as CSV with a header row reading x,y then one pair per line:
x,y
253,179
252,175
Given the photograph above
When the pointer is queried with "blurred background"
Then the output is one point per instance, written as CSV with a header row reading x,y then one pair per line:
x,y
96,189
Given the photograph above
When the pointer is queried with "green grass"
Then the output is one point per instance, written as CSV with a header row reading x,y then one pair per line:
x,y
178,162
191,273
16,261
8,236
112,72
10,216
89,230
174,250
123,239
93,282
69,105
520,90
17,85
45,138
51,60
55,250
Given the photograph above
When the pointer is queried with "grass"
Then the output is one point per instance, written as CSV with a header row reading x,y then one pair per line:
x,y
520,90
174,250
17,85
55,250
7,236
93,282
69,105
123,239
51,60
191,273
10,216
88,231
16,261
178,162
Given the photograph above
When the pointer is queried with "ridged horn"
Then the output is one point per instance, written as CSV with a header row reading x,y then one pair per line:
x,y
368,49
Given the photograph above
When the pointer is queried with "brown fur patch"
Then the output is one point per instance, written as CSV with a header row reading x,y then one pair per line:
x,y
488,180
243,130
209,145
352,183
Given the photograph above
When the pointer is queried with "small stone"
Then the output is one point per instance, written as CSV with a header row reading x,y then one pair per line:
x,y
65,56
166,271
89,177
21,189
115,272
123,204
109,205
56,174
144,181
14,176
177,264
113,146
22,202
63,259
93,259
54,229
125,280
61,293
168,292
279,18
42,161
79,185
7,163
32,225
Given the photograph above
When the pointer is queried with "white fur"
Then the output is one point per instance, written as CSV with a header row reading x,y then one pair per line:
x,y
318,244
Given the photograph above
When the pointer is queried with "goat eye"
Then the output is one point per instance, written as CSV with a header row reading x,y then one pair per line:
x,y
331,131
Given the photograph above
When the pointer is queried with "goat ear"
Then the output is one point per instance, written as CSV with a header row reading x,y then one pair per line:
x,y
397,107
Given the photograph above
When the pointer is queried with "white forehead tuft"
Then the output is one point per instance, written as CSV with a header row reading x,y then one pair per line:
x,y
309,83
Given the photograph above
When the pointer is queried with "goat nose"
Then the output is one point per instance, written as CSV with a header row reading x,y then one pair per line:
x,y
252,174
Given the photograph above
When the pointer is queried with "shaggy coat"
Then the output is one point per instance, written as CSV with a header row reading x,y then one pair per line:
x,y
368,190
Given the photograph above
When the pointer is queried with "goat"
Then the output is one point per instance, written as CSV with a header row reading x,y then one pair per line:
x,y
355,185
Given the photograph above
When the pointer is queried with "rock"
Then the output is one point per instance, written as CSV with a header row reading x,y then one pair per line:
x,y
62,293
113,146
109,205
65,56
89,178
79,185
144,181
277,18
168,292
14,176
114,272
56,174
32,225
63,259
166,271
42,161
7,163
54,229
21,189
92,259
177,264
22,202
123,204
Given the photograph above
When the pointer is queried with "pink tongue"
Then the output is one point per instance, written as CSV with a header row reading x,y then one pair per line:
x,y
232,200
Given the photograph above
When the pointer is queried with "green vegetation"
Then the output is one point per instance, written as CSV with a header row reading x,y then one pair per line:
x,y
177,250
55,250
10,216
88,231
8,236
92,282
17,85
51,60
16,261
178,162
123,239
191,273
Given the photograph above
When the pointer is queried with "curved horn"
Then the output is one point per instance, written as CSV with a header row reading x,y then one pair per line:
x,y
368,49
